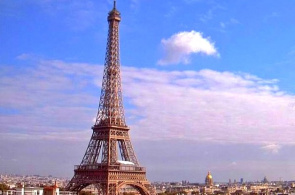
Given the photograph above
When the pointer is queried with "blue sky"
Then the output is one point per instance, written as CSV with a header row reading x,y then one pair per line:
x,y
208,85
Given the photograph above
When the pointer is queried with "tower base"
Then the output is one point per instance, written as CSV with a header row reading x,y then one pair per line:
x,y
110,179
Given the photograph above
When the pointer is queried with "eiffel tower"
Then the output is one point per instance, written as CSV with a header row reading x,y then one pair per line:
x,y
100,165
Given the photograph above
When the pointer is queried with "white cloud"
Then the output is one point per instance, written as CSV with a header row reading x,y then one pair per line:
x,y
233,163
273,148
179,47
54,98
225,24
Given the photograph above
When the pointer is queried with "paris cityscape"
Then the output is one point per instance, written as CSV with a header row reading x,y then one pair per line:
x,y
37,183
207,112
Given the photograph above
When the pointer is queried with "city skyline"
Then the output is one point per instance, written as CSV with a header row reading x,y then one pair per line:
x,y
206,86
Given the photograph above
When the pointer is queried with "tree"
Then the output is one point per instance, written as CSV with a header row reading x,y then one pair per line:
x,y
3,187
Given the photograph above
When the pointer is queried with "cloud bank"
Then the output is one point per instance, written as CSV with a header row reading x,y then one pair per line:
x,y
211,106
273,148
179,47
53,98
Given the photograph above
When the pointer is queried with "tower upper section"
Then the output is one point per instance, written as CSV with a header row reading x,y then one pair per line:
x,y
111,111
114,14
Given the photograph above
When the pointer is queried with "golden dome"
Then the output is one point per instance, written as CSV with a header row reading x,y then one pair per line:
x,y
209,176
209,179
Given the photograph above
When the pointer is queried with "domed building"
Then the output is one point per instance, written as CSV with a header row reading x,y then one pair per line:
x,y
209,179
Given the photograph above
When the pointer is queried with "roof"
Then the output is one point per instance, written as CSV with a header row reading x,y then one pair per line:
x,y
125,162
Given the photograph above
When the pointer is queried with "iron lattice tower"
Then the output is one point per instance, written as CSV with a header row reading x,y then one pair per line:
x,y
110,139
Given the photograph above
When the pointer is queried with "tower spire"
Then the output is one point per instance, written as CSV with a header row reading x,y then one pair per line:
x,y
114,4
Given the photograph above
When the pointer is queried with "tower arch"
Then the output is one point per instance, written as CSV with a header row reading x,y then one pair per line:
x,y
138,186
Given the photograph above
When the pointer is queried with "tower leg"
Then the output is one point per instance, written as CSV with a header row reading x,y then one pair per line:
x,y
112,189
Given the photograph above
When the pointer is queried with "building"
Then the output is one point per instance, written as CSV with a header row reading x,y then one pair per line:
x,y
47,190
51,190
209,179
